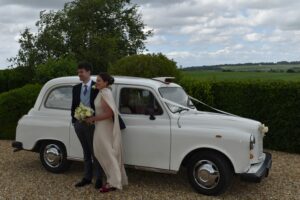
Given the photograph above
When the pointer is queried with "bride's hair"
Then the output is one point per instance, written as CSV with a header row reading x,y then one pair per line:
x,y
107,78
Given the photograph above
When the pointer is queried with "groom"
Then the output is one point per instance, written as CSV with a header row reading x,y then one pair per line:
x,y
84,93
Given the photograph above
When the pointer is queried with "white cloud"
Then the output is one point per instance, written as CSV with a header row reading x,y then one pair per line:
x,y
16,15
217,31
192,32
53,4
156,40
253,37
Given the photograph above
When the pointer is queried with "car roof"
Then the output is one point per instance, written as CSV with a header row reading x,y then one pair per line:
x,y
72,80
118,80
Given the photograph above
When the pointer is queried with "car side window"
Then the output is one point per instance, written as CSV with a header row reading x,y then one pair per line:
x,y
60,98
138,101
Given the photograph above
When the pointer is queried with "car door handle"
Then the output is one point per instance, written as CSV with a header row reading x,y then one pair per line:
x,y
152,117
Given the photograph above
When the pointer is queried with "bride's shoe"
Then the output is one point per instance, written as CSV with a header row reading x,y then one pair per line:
x,y
107,188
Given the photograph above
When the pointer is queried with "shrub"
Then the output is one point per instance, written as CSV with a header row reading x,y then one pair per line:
x,y
148,66
13,105
198,89
15,77
274,103
53,68
290,71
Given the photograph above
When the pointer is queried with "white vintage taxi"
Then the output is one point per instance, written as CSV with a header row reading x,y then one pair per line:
x,y
164,132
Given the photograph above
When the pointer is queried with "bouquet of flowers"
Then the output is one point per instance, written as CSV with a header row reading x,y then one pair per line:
x,y
82,112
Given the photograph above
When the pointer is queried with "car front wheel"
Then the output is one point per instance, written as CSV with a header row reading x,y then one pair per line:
x,y
53,156
209,173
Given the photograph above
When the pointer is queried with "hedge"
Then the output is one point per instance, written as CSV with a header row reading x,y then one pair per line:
x,y
13,105
274,103
13,78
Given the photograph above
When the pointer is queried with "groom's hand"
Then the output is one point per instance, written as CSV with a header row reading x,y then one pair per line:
x,y
89,120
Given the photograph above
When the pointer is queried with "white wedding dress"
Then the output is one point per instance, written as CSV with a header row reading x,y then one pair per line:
x,y
108,142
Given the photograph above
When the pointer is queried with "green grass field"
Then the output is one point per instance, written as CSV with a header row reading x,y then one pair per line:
x,y
237,76
263,68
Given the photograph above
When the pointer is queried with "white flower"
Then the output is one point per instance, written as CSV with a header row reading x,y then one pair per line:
x,y
88,113
82,112
82,115
263,129
94,86
266,129
77,116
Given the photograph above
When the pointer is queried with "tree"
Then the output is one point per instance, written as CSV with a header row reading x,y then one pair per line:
x,y
148,66
64,66
99,31
27,55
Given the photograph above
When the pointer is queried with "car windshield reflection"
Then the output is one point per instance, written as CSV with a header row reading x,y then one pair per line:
x,y
177,95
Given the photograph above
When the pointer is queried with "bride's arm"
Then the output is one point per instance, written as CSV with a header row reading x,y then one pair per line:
x,y
107,113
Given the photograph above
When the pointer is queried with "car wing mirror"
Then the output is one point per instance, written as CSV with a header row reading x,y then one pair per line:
x,y
150,111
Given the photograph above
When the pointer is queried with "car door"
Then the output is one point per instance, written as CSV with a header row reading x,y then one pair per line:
x,y
54,114
146,139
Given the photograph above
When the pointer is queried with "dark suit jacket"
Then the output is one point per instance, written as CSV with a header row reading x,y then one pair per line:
x,y
76,98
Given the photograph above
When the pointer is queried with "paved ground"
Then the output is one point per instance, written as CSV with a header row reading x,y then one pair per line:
x,y
23,177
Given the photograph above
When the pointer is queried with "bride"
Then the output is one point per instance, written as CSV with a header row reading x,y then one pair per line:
x,y
107,136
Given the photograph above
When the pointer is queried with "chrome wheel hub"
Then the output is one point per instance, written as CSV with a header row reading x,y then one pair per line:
x,y
53,155
206,174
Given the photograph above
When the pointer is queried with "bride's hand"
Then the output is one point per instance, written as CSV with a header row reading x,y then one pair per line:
x,y
89,120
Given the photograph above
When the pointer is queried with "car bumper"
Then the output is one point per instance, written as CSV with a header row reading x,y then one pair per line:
x,y
17,146
258,171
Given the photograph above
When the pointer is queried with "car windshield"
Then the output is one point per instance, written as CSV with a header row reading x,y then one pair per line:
x,y
177,95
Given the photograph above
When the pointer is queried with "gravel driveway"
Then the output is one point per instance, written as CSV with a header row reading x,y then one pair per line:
x,y
23,177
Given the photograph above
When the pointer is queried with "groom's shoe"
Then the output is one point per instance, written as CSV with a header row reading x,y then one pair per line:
x,y
83,182
98,184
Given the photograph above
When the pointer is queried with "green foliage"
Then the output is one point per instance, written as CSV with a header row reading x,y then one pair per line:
x,y
12,78
148,66
15,77
282,66
199,90
261,68
99,31
56,68
28,54
13,105
240,76
274,103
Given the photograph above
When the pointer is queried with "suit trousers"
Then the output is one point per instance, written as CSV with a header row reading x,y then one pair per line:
x,y
85,134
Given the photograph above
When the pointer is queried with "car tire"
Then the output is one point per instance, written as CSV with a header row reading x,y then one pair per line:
x,y
210,173
53,156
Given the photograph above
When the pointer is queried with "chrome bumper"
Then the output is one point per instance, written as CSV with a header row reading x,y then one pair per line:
x,y
258,171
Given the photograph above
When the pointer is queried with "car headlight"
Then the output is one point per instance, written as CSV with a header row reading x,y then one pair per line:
x,y
252,142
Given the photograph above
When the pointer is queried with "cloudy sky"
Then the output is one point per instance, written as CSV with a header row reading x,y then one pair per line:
x,y
192,32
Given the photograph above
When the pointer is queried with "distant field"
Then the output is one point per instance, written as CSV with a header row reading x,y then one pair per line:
x,y
223,76
277,67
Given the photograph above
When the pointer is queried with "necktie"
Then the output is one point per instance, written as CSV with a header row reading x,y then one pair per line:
x,y
85,90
